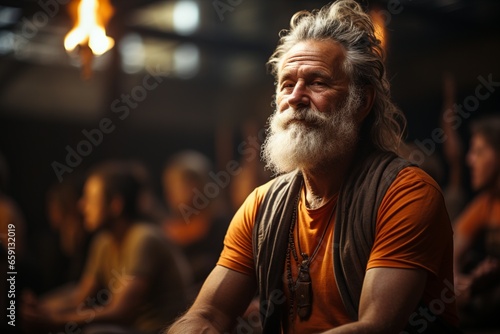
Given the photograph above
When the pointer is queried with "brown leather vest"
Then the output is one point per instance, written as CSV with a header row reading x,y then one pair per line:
x,y
354,231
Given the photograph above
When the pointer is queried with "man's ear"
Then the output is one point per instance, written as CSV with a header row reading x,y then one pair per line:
x,y
366,106
116,206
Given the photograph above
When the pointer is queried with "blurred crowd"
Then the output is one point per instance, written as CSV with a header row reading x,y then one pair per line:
x,y
116,256
120,258
470,181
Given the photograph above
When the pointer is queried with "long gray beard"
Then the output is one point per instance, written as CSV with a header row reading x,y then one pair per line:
x,y
318,138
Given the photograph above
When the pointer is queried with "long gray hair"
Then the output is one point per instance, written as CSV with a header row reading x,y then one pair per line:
x,y
346,23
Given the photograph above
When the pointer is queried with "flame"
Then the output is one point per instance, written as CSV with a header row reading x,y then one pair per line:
x,y
89,28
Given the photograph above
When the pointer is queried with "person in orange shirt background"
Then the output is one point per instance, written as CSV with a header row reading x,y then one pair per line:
x,y
477,230
195,222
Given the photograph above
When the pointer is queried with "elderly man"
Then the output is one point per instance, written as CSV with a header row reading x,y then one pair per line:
x,y
349,238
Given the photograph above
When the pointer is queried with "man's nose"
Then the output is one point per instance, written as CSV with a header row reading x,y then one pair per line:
x,y
299,96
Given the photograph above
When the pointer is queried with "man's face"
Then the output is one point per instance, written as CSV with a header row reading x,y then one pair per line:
x,y
484,163
93,204
178,189
315,120
311,75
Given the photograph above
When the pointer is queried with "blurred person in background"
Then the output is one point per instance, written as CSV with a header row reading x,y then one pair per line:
x,y
14,256
447,169
477,230
454,191
251,172
133,281
10,212
69,251
196,219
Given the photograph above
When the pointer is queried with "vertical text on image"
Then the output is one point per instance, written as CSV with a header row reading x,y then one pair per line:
x,y
11,274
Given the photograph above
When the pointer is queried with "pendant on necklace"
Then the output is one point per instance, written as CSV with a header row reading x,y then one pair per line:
x,y
303,291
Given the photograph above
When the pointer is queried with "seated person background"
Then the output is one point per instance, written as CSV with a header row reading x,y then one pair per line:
x,y
195,222
133,281
477,230
69,252
14,252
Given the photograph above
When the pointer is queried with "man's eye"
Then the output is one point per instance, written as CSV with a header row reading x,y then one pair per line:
x,y
318,83
286,85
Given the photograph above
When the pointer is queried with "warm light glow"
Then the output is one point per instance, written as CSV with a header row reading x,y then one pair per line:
x,y
89,28
379,24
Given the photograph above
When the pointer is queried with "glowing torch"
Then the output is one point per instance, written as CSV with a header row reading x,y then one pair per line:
x,y
89,33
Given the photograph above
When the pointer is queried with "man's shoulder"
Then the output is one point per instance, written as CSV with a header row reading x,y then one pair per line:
x,y
413,187
414,175
273,185
254,201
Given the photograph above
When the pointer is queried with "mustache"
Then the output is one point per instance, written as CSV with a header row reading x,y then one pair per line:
x,y
308,116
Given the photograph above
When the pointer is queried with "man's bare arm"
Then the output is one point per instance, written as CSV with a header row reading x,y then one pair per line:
x,y
388,297
224,296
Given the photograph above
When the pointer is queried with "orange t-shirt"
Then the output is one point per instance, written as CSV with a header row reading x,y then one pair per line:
x,y
482,215
413,231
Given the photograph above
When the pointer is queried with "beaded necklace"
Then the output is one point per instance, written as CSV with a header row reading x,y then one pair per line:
x,y
302,287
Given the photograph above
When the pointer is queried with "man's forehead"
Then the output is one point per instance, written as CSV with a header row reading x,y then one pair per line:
x,y
320,53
